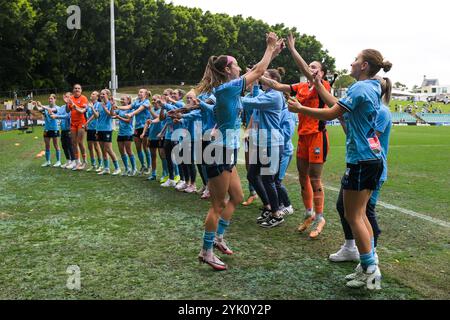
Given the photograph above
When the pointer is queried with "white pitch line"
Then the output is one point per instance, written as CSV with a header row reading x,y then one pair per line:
x,y
386,205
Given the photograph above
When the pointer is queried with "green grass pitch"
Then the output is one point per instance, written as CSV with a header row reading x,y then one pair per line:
x,y
133,240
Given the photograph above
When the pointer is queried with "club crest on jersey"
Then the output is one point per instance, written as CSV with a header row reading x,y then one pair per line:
x,y
316,150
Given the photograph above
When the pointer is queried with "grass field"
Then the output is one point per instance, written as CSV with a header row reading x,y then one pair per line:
x,y
133,240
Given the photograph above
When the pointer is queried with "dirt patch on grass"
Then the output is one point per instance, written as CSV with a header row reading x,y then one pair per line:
x,y
4,216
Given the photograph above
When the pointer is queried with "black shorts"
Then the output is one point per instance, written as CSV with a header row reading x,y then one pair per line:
x,y
91,135
156,144
104,136
51,134
227,163
124,138
362,176
138,132
66,134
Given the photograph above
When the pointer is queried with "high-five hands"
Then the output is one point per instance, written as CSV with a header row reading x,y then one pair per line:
x,y
293,105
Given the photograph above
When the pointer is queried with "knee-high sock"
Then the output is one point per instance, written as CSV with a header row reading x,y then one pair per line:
x,y
58,155
141,158
165,169
125,161
319,195
148,158
208,240
307,192
133,162
47,155
222,227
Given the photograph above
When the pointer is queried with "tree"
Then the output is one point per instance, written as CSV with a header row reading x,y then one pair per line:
x,y
169,42
17,20
400,86
344,80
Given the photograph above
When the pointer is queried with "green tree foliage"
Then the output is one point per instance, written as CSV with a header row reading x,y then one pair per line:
x,y
165,41
344,80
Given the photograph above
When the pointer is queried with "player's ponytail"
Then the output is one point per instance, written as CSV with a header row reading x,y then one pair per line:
x,y
214,74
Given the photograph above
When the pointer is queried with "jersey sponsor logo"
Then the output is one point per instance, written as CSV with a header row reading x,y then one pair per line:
x,y
375,145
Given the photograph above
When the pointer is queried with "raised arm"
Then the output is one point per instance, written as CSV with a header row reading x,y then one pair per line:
x,y
274,46
301,64
326,96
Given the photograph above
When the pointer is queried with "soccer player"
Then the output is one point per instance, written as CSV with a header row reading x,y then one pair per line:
x,y
287,124
141,113
91,126
154,127
266,147
207,103
313,144
360,108
222,77
51,131
349,251
104,132
125,137
66,140
247,116
76,104
201,112
191,122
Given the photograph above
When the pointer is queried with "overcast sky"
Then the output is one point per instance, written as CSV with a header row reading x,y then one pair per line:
x,y
414,35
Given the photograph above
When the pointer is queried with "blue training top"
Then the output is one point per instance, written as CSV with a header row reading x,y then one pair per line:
x,y
125,128
207,111
64,117
143,116
248,110
227,112
50,124
155,128
192,121
287,124
266,130
362,103
104,121
93,124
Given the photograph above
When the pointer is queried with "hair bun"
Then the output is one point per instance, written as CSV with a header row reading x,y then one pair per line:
x,y
387,66
282,71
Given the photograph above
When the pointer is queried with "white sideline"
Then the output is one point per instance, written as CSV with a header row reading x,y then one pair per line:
x,y
386,205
